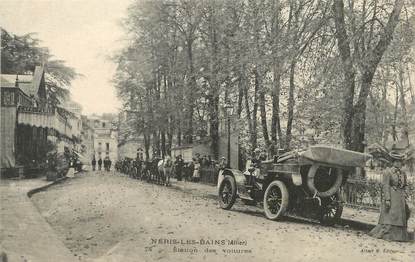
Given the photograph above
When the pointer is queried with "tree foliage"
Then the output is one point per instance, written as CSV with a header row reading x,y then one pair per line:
x,y
21,54
297,72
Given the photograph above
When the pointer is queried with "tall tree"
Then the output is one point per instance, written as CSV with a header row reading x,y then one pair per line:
x,y
369,53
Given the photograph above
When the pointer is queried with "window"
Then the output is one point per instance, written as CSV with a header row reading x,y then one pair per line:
x,y
108,146
8,98
99,144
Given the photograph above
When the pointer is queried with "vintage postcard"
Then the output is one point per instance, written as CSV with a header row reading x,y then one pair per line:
x,y
207,130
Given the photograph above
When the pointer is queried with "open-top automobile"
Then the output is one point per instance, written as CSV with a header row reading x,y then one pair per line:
x,y
302,183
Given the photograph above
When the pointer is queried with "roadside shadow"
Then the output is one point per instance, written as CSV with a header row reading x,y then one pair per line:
x,y
343,224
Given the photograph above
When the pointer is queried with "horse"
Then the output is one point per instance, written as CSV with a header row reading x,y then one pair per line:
x,y
164,168
149,170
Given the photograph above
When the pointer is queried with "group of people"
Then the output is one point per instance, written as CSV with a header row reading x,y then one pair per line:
x,y
186,171
191,170
107,164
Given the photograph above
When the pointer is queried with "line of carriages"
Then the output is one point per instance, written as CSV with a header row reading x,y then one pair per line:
x,y
158,171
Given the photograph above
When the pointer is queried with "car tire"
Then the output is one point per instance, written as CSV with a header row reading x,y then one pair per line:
x,y
276,200
227,192
311,183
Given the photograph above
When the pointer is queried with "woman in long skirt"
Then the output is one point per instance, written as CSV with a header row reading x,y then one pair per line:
x,y
394,212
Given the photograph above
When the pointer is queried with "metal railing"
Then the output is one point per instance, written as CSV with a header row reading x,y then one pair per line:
x,y
366,193
209,175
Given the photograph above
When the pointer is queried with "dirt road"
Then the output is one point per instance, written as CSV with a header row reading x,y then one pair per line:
x,y
110,217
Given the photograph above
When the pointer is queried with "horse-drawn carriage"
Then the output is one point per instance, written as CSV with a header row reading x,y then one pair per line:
x,y
157,170
303,183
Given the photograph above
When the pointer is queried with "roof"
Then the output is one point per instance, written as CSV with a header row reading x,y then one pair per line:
x,y
10,80
29,84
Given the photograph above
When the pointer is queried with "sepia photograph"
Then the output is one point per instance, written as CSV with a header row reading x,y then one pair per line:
x,y
207,130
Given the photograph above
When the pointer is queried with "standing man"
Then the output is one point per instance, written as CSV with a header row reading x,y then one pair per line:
x,y
106,164
139,165
179,167
109,164
99,164
94,163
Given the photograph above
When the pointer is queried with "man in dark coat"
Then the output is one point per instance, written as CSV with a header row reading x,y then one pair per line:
x,y
109,164
94,163
179,167
99,164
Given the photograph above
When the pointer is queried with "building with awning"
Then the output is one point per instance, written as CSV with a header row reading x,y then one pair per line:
x,y
29,125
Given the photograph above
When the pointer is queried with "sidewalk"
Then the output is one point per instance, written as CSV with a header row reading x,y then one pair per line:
x,y
25,234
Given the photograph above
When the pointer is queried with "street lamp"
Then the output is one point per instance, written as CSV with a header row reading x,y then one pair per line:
x,y
229,108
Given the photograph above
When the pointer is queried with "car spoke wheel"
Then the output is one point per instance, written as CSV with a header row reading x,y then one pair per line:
x,y
275,200
331,210
227,192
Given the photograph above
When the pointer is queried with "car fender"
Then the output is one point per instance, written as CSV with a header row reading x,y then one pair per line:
x,y
240,180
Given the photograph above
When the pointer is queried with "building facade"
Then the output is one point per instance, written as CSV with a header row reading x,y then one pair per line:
x,y
105,138
30,126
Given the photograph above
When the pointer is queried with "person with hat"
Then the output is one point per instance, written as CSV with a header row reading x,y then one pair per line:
x,y
256,159
196,170
222,166
94,163
394,212
179,165
99,163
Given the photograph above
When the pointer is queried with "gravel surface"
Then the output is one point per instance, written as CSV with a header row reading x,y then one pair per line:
x,y
110,217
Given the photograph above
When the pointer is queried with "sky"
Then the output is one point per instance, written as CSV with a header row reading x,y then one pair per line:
x,y
84,33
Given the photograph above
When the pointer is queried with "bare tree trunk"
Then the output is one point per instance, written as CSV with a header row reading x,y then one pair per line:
x,y
214,125
385,108
170,135
190,91
275,119
240,97
252,132
179,135
214,102
156,144
405,131
147,141
395,115
163,144
349,74
291,104
262,106
411,90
